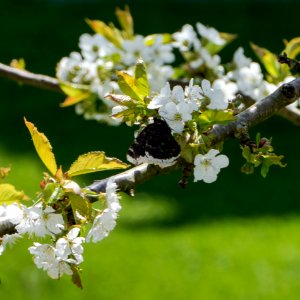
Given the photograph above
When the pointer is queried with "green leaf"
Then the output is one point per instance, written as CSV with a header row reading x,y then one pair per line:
x,y
268,161
9,194
18,64
73,89
52,192
94,162
292,48
76,93
211,117
268,59
136,86
141,79
109,33
125,20
127,85
42,147
166,38
257,139
4,171
81,208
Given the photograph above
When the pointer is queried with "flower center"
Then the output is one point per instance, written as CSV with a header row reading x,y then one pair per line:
x,y
177,117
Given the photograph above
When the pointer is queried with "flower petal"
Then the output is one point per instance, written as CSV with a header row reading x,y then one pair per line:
x,y
221,161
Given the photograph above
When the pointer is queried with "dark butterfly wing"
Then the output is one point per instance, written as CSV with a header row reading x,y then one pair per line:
x,y
155,144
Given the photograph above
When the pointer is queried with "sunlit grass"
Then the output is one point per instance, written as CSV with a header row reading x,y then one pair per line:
x,y
225,259
148,256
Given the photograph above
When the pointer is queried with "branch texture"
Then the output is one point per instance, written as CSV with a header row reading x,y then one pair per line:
x,y
256,113
26,77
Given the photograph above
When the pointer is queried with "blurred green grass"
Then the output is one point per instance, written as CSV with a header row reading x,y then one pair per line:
x,y
257,258
235,239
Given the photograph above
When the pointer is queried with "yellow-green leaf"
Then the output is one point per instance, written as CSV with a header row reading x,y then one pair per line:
x,y
292,48
166,38
125,20
127,85
136,86
72,100
212,117
81,207
4,171
18,64
94,162
73,89
109,33
268,59
141,79
8,194
228,37
42,147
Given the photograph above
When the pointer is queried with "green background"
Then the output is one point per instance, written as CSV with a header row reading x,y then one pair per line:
x,y
237,238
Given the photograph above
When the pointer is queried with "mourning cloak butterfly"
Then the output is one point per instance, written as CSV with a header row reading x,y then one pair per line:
x,y
154,145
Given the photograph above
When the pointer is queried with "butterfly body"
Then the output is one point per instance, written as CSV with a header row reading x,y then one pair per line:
x,y
155,145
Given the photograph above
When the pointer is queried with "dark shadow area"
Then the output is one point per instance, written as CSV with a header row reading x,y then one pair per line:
x,y
42,32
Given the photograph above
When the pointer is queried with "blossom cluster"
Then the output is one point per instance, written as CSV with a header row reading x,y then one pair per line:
x,y
99,60
178,106
64,253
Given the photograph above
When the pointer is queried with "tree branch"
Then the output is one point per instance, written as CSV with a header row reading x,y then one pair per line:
x,y
50,83
26,77
291,113
258,112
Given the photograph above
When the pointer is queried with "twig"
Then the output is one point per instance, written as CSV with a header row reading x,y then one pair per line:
x,y
291,113
26,77
258,112
50,83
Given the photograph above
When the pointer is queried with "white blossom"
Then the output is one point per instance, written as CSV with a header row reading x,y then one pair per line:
x,y
8,239
239,59
158,76
135,49
216,96
210,34
12,213
105,222
166,95
185,38
45,258
95,46
67,65
205,58
208,166
69,248
162,98
161,53
40,222
193,95
229,88
176,115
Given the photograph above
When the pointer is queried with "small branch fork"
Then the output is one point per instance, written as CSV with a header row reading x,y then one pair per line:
x,y
128,180
256,113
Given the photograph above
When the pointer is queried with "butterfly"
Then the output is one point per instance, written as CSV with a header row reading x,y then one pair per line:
x,y
154,145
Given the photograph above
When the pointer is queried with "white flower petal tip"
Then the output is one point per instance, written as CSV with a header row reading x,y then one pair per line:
x,y
208,166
